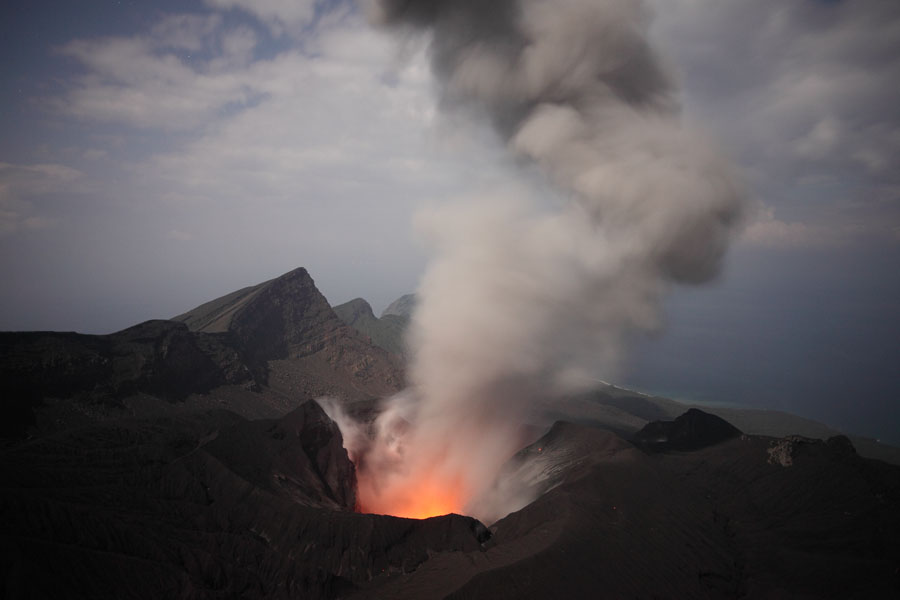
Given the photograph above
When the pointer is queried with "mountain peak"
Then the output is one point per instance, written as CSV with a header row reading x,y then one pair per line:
x,y
692,430
401,307
280,318
288,318
354,310
386,332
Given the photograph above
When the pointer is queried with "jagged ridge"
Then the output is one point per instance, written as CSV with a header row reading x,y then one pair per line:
x,y
386,332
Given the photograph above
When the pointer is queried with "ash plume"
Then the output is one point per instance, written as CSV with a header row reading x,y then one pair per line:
x,y
523,303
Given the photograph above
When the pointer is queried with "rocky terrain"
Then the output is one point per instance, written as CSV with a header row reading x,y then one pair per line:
x,y
160,358
288,325
385,332
693,430
216,506
186,458
206,506
401,307
258,351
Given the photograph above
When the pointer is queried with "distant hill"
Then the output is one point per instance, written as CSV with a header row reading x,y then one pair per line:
x,y
401,307
693,430
260,351
386,332
625,412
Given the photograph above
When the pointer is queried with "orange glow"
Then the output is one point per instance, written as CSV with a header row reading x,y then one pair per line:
x,y
418,498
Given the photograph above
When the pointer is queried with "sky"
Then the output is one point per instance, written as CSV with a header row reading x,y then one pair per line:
x,y
154,156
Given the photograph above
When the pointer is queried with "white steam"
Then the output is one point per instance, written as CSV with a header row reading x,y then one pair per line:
x,y
524,303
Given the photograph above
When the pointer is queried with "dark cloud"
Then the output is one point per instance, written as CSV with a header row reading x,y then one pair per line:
x,y
805,95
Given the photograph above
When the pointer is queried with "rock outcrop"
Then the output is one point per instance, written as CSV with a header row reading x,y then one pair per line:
x,y
299,456
693,430
401,307
160,358
386,332
782,451
286,325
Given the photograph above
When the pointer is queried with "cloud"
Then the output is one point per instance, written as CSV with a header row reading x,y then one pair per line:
x,y
211,126
177,77
281,16
799,92
323,118
186,32
313,155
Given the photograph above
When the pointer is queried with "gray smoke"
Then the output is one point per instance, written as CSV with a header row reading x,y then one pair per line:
x,y
523,303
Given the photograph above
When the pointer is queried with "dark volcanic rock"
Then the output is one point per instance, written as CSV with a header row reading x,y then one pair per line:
x,y
214,506
718,522
280,338
612,525
300,455
784,450
355,311
198,507
162,358
693,430
286,325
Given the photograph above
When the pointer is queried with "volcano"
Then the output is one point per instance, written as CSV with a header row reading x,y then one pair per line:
x,y
188,458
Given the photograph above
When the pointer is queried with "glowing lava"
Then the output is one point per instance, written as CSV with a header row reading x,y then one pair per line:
x,y
414,498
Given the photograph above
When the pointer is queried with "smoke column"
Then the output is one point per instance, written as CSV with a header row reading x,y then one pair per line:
x,y
523,303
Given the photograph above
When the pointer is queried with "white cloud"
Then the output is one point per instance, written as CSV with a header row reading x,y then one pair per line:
x,y
153,81
186,32
338,115
317,155
326,119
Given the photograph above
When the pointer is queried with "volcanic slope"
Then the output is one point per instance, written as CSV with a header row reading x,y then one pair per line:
x,y
727,520
203,506
259,351
288,325
386,332
211,505
79,377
